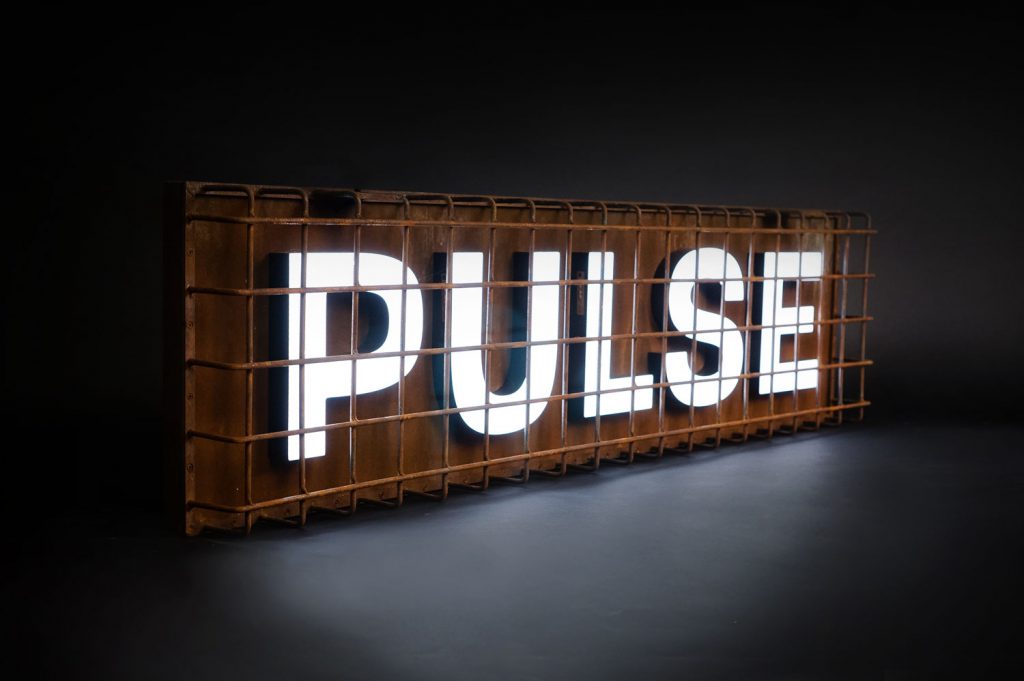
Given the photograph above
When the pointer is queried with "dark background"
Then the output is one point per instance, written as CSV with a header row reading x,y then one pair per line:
x,y
911,116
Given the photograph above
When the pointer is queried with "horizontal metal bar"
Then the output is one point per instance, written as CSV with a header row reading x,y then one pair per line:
x,y
441,286
504,345
399,199
447,470
470,224
357,423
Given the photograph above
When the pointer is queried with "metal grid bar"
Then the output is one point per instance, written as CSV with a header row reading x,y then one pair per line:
x,y
486,285
504,345
272,212
747,337
863,324
351,222
249,355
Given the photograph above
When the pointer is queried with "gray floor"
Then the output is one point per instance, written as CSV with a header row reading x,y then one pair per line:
x,y
876,552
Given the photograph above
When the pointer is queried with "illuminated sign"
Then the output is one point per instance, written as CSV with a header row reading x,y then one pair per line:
x,y
337,346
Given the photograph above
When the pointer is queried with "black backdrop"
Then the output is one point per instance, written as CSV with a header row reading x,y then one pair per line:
x,y
911,116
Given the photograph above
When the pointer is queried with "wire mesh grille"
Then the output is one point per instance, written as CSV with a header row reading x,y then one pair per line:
x,y
240,369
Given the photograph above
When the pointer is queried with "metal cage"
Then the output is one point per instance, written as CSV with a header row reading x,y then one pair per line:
x,y
220,361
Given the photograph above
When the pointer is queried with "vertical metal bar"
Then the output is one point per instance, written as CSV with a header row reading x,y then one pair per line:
x,y
564,345
447,362
775,322
632,339
693,335
748,322
796,336
863,323
353,440
662,378
304,251
302,356
249,341
721,330
819,316
834,328
400,498
529,345
486,335
842,327
601,334
186,401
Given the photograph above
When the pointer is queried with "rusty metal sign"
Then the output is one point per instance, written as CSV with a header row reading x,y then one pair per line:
x,y
327,348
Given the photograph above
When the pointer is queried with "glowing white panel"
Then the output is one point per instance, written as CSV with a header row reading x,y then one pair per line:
x,y
597,375
787,320
325,380
712,265
467,373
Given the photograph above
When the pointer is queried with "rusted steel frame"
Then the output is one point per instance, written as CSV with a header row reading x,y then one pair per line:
x,y
806,223
281,501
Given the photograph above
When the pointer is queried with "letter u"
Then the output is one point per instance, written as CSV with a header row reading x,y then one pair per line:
x,y
467,374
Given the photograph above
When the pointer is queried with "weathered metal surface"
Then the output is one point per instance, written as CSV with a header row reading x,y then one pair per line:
x,y
406,440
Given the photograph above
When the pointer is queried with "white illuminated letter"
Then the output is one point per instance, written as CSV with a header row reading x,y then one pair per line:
x,y
467,377
599,323
786,320
717,266
324,380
